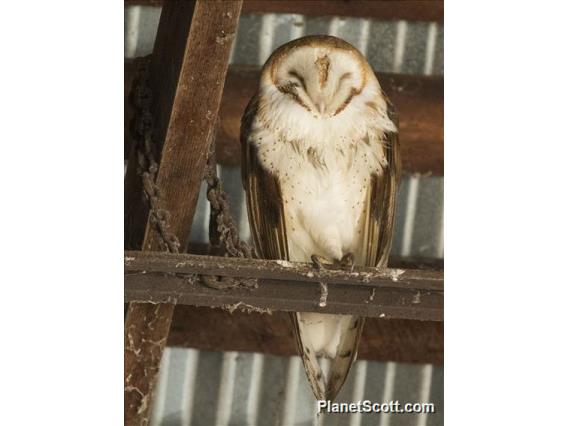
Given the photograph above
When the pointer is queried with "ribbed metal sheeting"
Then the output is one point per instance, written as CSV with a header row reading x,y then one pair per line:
x,y
232,388
390,46
202,388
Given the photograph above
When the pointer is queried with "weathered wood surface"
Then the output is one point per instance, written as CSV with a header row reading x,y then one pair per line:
x,y
419,101
194,110
427,263
382,340
428,10
284,286
189,66
146,330
169,263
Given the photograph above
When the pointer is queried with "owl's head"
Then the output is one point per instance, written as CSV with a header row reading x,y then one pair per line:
x,y
321,74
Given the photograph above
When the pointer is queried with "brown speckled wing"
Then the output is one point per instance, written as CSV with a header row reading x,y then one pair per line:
x,y
382,201
263,196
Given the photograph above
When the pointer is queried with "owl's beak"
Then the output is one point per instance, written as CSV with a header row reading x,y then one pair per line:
x,y
319,103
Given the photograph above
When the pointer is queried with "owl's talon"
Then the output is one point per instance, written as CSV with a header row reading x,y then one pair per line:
x,y
321,262
347,262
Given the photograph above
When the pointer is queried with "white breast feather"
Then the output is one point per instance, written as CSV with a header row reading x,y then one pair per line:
x,y
323,205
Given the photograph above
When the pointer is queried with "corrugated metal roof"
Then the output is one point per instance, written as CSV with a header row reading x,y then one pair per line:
x,y
231,388
390,46
203,388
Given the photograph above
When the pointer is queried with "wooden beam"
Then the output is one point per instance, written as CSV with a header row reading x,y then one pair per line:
x,y
169,263
383,340
419,101
428,10
189,66
385,10
399,262
284,286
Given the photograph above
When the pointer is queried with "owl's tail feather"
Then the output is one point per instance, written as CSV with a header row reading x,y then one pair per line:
x,y
333,336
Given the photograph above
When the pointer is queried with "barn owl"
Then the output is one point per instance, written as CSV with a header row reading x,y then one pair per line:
x,y
320,169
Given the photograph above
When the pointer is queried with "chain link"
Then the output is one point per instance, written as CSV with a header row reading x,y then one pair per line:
x,y
147,164
223,223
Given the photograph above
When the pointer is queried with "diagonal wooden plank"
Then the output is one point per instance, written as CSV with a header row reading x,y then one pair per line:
x,y
189,66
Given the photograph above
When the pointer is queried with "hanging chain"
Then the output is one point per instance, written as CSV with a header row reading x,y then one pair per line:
x,y
222,228
147,164
223,223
